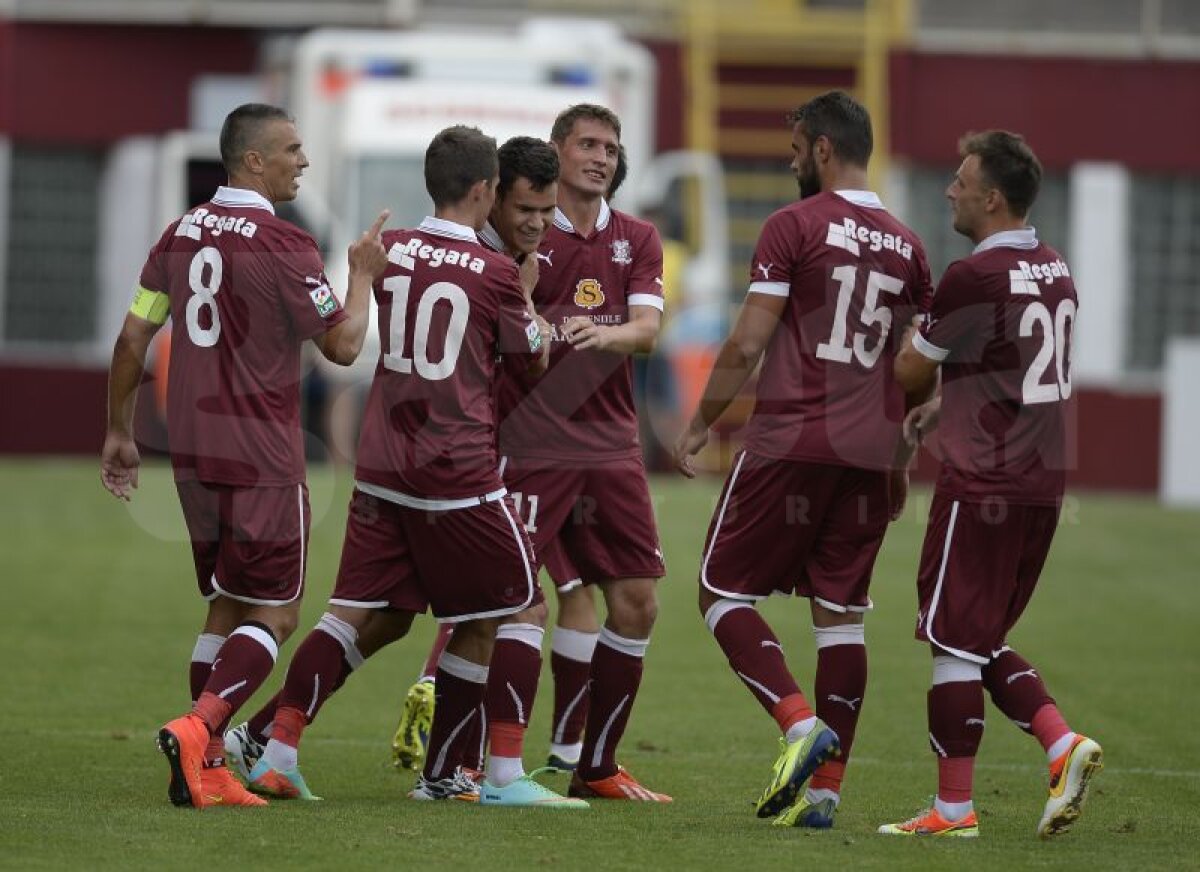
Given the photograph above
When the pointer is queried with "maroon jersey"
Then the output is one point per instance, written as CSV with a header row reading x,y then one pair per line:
x,y
582,409
447,305
853,276
246,289
1001,323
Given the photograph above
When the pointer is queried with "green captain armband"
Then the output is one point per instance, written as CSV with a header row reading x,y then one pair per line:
x,y
151,305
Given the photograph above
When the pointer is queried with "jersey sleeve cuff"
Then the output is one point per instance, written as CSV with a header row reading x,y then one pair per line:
x,y
773,289
928,349
646,300
153,306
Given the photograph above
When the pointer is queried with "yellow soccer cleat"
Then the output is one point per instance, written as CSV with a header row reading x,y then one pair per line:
x,y
796,762
412,733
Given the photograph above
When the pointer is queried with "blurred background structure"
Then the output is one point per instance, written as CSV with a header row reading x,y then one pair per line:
x,y
109,111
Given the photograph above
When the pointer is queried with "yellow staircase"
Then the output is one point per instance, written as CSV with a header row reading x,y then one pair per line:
x,y
749,63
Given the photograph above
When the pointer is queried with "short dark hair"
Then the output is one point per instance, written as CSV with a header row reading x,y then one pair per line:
x,y
842,120
619,173
456,159
239,133
526,157
1008,164
565,122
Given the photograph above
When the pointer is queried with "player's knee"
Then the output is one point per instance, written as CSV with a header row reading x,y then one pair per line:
x,y
632,607
536,615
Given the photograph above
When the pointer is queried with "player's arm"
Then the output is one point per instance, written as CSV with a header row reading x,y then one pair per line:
x,y
638,335
119,459
738,357
342,342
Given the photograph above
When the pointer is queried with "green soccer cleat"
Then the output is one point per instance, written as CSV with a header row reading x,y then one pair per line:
x,y
813,815
527,793
797,761
412,733
266,781
1069,780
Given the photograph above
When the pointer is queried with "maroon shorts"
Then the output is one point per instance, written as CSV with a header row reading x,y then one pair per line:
x,y
792,526
248,543
979,566
559,567
601,516
473,562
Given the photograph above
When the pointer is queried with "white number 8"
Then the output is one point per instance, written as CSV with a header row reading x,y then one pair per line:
x,y
204,295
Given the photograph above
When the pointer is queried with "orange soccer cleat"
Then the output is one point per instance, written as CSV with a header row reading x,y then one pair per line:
x,y
183,742
930,823
619,786
219,787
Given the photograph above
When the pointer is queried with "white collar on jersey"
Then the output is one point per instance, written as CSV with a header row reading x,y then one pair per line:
x,y
562,222
442,227
866,199
227,196
489,237
1026,237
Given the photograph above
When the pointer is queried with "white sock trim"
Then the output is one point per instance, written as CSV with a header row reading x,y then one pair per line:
x,y
261,636
207,646
344,633
720,609
531,634
947,669
631,647
462,668
573,644
845,634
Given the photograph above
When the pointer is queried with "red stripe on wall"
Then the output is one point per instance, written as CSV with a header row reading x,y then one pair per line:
x,y
1142,113
93,84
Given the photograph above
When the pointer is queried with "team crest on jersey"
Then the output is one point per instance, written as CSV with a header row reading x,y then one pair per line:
x,y
588,294
622,252
322,297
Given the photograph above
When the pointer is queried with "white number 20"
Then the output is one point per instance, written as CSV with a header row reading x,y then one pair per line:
x,y
1056,346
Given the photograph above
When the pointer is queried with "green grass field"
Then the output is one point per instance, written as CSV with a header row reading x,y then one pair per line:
x,y
101,614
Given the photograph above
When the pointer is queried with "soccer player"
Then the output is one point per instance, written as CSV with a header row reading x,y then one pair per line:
x,y
569,442
245,290
431,523
524,209
808,500
999,330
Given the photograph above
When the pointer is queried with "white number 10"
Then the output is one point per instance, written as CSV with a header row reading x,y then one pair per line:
x,y
836,348
460,309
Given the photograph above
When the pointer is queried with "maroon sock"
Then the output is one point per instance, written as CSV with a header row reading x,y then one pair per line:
x,y
208,645
458,690
242,665
314,674
955,730
444,632
570,698
1016,688
259,725
513,676
616,675
754,653
475,745
840,688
